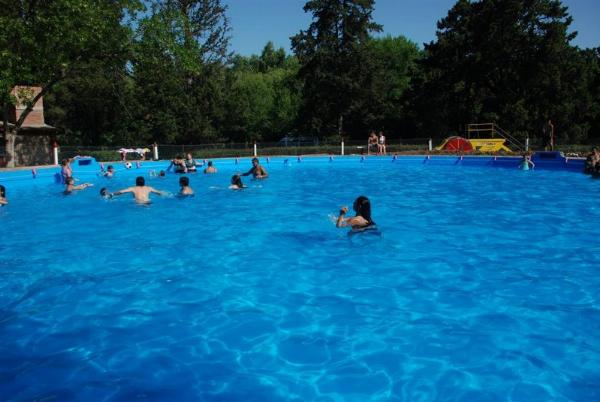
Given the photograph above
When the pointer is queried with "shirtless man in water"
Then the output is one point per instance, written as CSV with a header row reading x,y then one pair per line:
x,y
257,171
141,192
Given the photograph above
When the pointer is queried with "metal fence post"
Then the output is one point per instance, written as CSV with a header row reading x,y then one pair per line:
x,y
155,149
430,145
527,144
255,150
342,153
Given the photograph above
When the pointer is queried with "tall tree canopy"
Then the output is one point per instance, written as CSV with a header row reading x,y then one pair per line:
x,y
506,61
335,69
180,54
43,42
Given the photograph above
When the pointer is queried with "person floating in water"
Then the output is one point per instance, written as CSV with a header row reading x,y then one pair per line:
x,y
186,190
141,192
257,171
70,186
3,200
362,220
236,182
526,162
210,168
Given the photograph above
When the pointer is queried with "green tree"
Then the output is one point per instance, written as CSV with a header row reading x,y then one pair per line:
x,y
45,42
263,96
334,63
178,70
394,60
504,61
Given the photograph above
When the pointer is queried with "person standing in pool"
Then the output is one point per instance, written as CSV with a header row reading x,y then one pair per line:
x,y
526,162
186,190
3,200
141,192
210,168
257,171
66,171
362,219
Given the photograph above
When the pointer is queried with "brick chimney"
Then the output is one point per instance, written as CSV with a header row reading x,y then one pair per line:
x,y
23,95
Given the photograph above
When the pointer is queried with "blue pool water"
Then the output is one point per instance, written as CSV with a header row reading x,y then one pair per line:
x,y
485,286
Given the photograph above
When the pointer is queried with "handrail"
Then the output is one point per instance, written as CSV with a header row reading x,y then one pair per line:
x,y
494,129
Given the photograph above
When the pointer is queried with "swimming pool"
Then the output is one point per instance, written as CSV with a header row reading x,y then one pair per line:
x,y
483,287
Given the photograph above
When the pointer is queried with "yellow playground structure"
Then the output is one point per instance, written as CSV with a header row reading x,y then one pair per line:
x,y
497,140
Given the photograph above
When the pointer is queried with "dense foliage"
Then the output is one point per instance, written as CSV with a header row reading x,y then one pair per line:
x,y
135,72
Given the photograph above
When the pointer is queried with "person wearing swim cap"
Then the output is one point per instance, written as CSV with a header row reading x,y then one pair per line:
x,y
3,200
362,219
257,171
141,192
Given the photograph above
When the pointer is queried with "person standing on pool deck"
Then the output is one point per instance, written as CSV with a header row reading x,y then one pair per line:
x,y
3,200
141,192
257,170
362,220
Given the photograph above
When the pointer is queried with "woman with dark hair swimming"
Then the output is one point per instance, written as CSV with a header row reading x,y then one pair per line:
x,y
236,182
3,200
362,220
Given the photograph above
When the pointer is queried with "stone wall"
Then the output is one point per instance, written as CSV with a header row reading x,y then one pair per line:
x,y
32,149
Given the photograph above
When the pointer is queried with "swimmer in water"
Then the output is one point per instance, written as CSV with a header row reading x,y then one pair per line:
x,y
3,200
257,171
186,190
526,162
210,168
362,220
141,192
104,193
70,186
236,183
110,171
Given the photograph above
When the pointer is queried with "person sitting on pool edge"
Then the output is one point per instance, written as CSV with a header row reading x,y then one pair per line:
x,y
210,168
70,183
236,182
186,190
362,220
3,200
257,171
141,192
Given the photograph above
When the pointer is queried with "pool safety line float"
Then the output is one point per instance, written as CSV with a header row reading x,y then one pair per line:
x,y
456,143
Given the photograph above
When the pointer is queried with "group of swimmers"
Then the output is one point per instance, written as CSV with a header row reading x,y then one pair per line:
x,y
362,221
141,192
189,165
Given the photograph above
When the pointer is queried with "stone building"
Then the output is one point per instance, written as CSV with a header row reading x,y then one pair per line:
x,y
32,143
